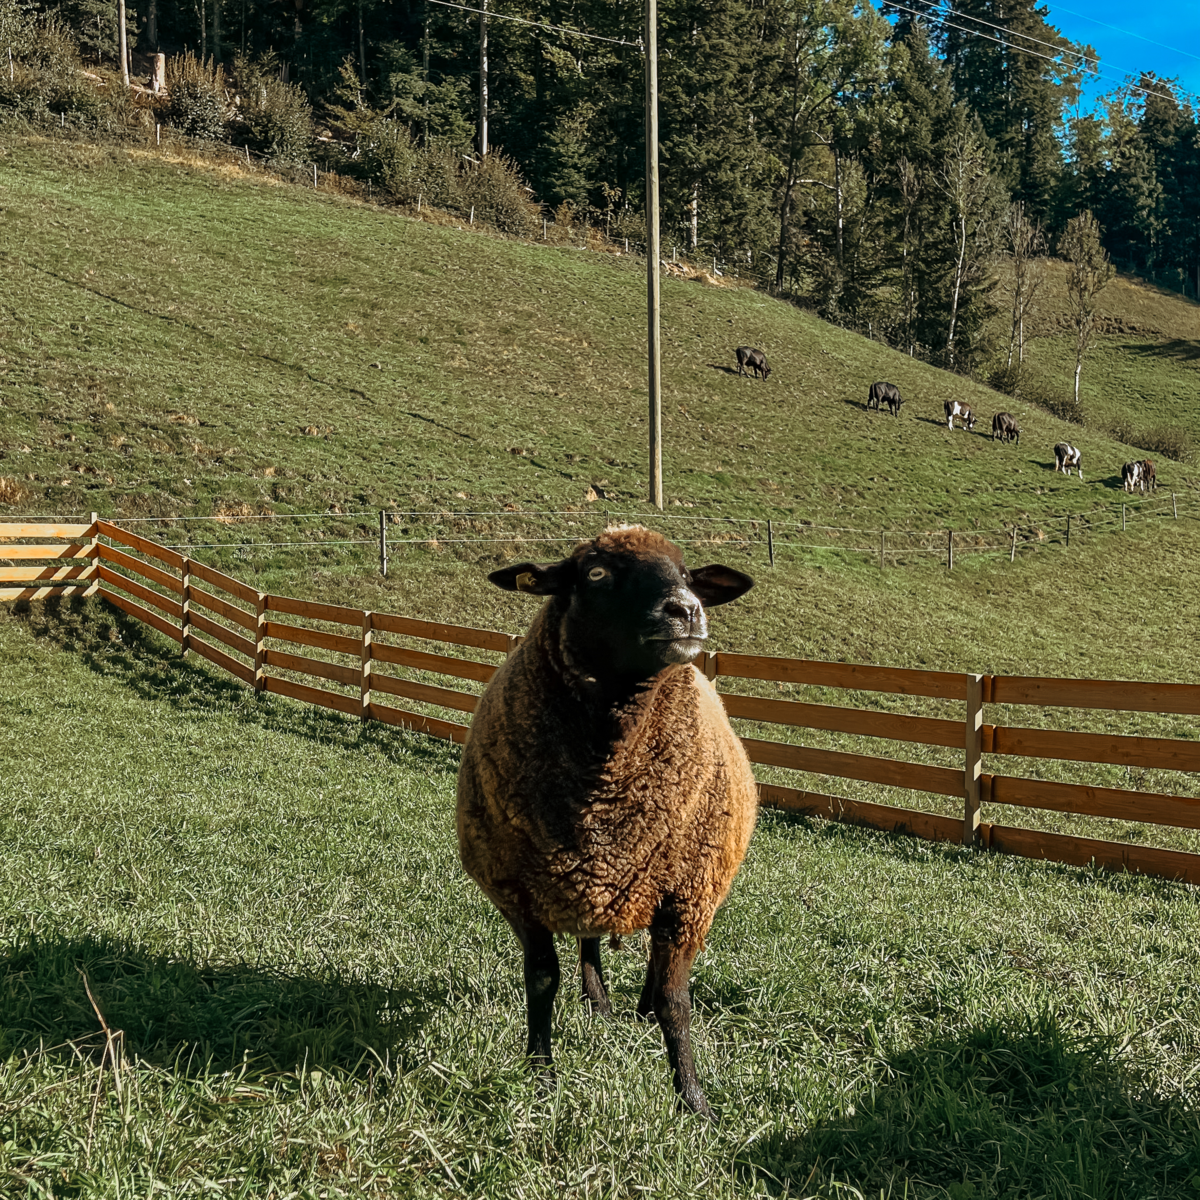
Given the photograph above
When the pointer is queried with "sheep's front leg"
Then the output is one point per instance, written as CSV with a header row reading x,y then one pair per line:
x,y
594,991
666,997
541,986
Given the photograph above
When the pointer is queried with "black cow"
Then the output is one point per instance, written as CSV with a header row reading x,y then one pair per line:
x,y
1067,456
888,393
1131,477
1005,427
756,360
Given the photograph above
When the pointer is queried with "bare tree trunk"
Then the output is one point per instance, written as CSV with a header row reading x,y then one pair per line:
x,y
958,278
483,81
122,41
694,225
362,46
837,186
216,30
152,24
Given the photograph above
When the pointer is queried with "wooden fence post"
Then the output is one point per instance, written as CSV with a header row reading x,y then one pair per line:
x,y
383,543
1068,530
260,645
1174,507
367,652
1012,555
185,618
770,542
711,667
949,549
1122,518
973,764
882,547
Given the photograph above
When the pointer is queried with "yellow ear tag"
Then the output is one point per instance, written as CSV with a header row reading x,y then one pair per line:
x,y
526,581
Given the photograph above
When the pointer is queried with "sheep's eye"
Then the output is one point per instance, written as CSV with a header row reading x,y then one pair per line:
x,y
597,573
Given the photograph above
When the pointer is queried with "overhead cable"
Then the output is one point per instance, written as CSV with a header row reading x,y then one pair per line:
x,y
487,12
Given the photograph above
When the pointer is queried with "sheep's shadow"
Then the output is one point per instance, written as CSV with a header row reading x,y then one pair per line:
x,y
121,649
1035,1110
192,1018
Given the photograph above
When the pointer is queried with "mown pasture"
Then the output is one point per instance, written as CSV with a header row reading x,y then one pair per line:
x,y
265,901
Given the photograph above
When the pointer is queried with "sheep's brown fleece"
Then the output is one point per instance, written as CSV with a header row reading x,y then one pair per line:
x,y
588,816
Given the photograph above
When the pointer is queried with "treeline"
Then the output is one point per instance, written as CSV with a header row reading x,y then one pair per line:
x,y
872,165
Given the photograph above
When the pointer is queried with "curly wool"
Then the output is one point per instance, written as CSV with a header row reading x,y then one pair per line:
x,y
590,819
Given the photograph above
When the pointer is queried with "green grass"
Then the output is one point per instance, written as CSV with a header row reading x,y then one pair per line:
x,y
314,1000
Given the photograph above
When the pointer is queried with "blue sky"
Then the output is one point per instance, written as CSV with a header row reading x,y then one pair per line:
x,y
1172,28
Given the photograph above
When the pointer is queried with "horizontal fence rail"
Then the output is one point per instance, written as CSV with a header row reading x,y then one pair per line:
x,y
363,664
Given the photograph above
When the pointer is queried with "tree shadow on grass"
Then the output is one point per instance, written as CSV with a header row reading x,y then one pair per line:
x,y
198,1019
119,648
999,1111
1181,349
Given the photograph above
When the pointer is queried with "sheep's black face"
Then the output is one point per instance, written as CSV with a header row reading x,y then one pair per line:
x,y
629,606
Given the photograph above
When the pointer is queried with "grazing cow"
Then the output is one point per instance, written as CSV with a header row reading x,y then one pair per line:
x,y
888,393
1067,456
956,408
1131,477
1004,426
1149,478
756,360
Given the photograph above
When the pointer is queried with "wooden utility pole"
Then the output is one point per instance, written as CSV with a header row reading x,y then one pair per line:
x,y
122,41
483,81
652,255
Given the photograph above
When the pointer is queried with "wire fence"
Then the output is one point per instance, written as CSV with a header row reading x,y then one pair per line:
x,y
512,529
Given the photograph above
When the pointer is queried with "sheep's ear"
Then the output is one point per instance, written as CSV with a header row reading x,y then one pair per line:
x,y
718,585
535,579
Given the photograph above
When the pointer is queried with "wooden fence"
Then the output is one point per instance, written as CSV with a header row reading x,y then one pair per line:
x,y
256,637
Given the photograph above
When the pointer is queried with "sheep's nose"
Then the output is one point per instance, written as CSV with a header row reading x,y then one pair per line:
x,y
683,606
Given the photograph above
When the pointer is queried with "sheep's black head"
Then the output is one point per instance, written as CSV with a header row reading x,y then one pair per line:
x,y
626,602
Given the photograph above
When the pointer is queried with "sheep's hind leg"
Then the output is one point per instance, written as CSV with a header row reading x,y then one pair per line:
x,y
666,997
541,986
594,991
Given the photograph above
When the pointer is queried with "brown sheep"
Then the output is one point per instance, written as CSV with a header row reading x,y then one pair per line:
x,y
602,789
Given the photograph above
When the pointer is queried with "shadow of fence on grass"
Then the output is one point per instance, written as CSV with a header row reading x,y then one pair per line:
x,y
1023,1109
195,1019
119,648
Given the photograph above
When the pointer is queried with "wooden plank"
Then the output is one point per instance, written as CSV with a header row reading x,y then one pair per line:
x,y
434,631
62,550
232,639
932,826
1097,693
238,669
463,701
226,583
311,695
916,776
46,574
439,664
1172,754
300,636
899,680
168,604
222,607
146,570
142,614
13,530
926,731
43,593
135,541
447,730
337,613
1152,807
1082,852
310,666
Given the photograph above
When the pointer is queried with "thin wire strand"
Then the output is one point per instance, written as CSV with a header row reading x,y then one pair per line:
x,y
932,16
1126,32
595,37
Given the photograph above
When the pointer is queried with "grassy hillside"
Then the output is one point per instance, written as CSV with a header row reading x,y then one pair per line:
x,y
180,340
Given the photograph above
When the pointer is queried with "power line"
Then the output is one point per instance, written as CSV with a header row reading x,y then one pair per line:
x,y
491,13
928,15
1127,32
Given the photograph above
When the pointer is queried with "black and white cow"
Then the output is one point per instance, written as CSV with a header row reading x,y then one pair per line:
x,y
1067,456
887,393
956,408
755,360
1005,427
1149,477
1132,477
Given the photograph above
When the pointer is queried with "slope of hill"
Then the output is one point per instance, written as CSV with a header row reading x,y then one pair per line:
x,y
180,340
